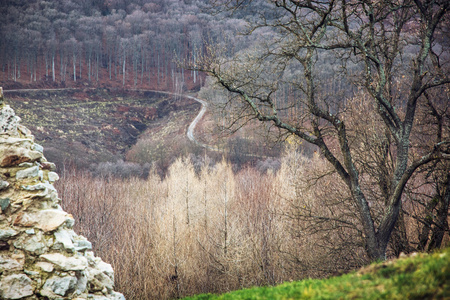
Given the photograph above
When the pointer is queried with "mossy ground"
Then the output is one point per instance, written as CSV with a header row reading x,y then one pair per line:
x,y
421,276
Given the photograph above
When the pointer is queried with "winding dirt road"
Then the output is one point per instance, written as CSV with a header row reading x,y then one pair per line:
x,y
191,128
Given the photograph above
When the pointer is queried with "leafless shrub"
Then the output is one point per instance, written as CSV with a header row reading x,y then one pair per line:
x,y
321,232
268,165
204,228
121,169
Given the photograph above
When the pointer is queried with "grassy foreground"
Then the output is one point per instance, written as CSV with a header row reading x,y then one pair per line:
x,y
420,276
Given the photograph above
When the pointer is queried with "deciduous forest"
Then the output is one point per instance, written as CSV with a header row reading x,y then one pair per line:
x,y
128,42
329,126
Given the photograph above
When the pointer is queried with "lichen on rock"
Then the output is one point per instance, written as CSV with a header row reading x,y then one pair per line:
x,y
41,257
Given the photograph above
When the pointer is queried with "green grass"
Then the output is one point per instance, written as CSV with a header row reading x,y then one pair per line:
x,y
422,276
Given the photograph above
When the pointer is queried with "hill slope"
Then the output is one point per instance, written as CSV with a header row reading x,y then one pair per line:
x,y
84,126
420,276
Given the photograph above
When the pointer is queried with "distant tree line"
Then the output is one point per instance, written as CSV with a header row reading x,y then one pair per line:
x,y
132,42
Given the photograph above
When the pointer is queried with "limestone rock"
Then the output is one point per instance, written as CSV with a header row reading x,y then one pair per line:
x,y
3,184
5,234
15,151
58,285
40,254
35,187
15,286
4,203
23,131
66,263
34,244
63,240
48,166
45,266
8,120
28,173
81,243
10,263
38,148
47,220
52,177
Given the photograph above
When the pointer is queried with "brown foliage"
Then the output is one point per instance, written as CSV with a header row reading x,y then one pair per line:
x,y
212,230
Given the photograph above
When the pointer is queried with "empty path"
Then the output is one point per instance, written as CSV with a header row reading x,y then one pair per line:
x,y
191,128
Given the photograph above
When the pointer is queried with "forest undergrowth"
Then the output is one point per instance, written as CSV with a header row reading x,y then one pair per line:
x,y
210,230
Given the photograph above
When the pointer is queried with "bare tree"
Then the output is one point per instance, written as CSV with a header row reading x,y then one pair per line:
x,y
370,45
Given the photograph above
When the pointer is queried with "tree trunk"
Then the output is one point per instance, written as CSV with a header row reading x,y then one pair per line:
x,y
74,61
53,67
123,69
441,224
375,244
427,222
46,67
399,239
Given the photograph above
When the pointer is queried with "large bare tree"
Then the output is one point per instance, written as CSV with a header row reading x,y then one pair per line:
x,y
386,48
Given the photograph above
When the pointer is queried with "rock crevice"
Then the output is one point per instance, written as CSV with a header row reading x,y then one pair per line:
x,y
41,257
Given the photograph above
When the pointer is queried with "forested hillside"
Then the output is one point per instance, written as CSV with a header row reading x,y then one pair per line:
x,y
119,42
117,45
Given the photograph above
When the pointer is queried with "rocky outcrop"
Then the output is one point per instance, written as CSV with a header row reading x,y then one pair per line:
x,y
41,257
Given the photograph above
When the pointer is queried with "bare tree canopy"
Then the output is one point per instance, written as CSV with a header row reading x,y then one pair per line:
x,y
391,53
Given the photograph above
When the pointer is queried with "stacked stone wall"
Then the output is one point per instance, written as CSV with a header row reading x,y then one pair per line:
x,y
41,257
